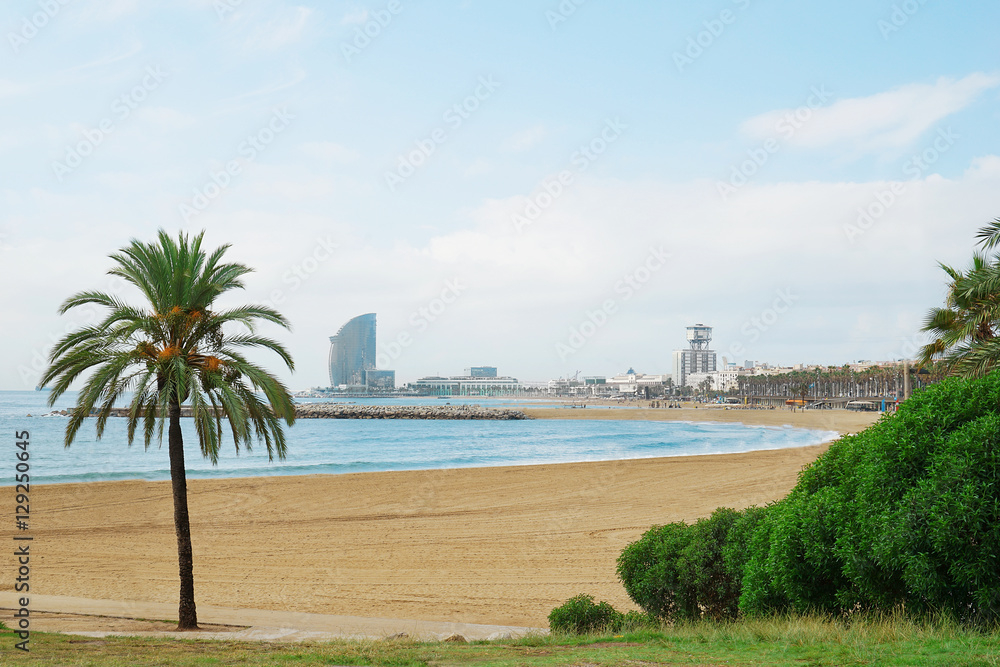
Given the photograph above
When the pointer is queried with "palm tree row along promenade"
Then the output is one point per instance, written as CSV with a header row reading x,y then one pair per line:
x,y
876,382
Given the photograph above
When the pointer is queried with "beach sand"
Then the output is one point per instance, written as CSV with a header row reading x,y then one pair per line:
x,y
484,545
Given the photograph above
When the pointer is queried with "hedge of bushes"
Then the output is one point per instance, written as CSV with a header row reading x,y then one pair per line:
x,y
905,515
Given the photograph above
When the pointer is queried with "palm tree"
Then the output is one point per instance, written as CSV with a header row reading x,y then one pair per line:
x,y
965,330
175,349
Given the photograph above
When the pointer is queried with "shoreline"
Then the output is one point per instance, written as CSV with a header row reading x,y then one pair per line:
x,y
829,422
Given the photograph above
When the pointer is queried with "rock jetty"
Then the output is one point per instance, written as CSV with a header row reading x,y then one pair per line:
x,y
342,411
351,411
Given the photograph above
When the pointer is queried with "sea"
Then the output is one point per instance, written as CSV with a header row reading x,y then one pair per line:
x,y
336,446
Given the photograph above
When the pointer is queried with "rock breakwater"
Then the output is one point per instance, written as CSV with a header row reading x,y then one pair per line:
x,y
351,411
342,411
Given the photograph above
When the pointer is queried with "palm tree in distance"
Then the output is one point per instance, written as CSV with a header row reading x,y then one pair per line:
x,y
175,350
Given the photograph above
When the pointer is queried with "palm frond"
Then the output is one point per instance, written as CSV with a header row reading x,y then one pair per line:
x,y
989,235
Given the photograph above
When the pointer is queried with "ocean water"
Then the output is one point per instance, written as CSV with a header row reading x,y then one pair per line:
x,y
332,446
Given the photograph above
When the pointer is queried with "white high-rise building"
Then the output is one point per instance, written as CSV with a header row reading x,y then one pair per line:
x,y
698,358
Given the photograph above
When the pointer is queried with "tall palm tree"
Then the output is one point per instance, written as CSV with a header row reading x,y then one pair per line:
x,y
175,349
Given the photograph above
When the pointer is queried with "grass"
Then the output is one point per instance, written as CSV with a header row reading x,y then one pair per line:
x,y
802,641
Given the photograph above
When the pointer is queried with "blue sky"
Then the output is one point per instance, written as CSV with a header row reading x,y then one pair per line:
x,y
546,187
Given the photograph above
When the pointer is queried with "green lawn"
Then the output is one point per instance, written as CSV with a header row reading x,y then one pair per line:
x,y
799,641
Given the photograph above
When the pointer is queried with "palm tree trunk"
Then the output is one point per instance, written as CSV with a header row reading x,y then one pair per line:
x,y
187,613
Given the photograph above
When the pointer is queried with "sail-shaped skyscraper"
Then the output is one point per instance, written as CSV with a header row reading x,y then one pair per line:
x,y
352,351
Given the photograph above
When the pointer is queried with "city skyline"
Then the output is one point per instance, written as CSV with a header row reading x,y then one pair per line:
x,y
699,359
545,187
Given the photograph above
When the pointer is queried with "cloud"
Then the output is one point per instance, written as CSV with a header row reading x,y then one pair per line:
x,y
281,31
885,121
525,139
478,167
134,47
166,118
108,10
240,102
330,151
354,17
10,88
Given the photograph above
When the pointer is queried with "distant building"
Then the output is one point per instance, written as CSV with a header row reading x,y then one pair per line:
x,y
631,382
728,378
624,383
467,385
380,380
698,358
481,372
352,357
352,351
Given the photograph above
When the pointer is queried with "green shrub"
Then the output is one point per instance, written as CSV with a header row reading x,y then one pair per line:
x,y
716,589
679,571
737,549
579,615
651,572
906,513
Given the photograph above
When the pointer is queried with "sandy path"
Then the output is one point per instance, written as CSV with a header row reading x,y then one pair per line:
x,y
488,545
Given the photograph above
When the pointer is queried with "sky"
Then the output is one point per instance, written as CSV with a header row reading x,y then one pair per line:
x,y
546,187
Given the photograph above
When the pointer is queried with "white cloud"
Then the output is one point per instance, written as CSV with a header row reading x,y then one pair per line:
x,y
10,88
525,139
354,17
330,151
282,31
478,167
108,10
885,121
166,118
246,100
986,167
124,53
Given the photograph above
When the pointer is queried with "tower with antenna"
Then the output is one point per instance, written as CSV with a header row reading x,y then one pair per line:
x,y
698,358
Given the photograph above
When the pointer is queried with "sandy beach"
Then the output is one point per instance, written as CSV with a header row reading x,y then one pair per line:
x,y
486,545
